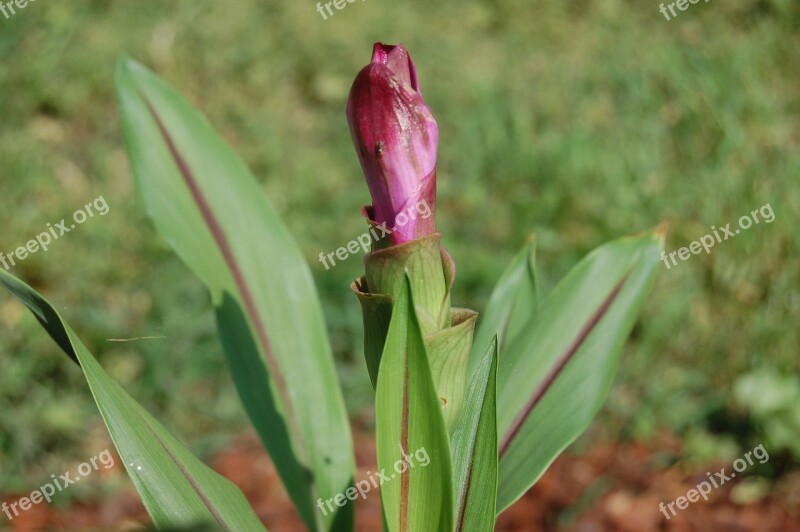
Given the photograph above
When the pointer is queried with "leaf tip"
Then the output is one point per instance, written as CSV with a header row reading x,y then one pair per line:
x,y
125,64
128,71
493,345
660,232
530,241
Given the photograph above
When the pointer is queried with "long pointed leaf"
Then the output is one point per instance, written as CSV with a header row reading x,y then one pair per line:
x,y
475,450
409,420
178,490
555,376
511,306
206,203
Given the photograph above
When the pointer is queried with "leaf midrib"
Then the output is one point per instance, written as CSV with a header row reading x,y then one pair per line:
x,y
561,363
244,291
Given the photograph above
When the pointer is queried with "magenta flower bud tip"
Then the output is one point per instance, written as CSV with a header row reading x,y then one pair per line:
x,y
396,138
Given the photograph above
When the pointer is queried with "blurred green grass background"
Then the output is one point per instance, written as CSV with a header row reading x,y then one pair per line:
x,y
582,122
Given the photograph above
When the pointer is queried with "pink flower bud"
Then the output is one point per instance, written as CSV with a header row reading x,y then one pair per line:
x,y
396,137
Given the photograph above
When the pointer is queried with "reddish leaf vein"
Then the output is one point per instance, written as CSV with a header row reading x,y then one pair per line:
x,y
244,290
556,370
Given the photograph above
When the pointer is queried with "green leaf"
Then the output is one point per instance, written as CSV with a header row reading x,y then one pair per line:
x,y
178,490
448,355
556,374
206,203
511,306
409,421
377,311
475,450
